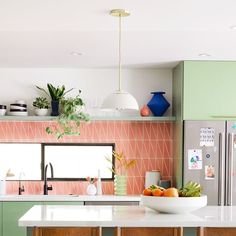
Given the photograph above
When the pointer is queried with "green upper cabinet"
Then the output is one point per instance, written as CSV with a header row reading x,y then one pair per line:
x,y
208,89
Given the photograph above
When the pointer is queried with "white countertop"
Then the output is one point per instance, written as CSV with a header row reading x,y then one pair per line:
x,y
70,198
126,216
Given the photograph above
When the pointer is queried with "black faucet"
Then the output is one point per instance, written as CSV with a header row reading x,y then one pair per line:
x,y
21,188
45,186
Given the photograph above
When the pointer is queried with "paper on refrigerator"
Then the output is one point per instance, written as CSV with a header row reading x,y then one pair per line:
x,y
207,137
194,159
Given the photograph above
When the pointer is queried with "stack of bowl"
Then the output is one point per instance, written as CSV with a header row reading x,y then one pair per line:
x,y
19,108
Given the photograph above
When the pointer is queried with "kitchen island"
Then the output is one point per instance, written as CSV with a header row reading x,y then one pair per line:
x,y
48,220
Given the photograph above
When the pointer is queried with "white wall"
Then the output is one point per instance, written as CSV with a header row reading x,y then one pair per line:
x,y
19,83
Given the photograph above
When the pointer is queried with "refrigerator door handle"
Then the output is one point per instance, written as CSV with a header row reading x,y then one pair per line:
x,y
221,170
230,169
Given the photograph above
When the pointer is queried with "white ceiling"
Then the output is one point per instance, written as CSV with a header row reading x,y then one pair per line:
x,y
158,34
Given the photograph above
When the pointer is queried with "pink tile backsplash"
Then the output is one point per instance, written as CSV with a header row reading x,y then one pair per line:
x,y
150,143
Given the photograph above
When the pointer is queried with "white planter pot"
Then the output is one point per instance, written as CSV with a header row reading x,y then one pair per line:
x,y
91,189
41,112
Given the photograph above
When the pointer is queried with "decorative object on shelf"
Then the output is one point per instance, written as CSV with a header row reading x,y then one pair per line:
x,y
41,105
70,113
3,109
120,170
158,104
18,108
120,100
3,178
56,94
91,188
120,185
70,117
99,184
152,178
145,111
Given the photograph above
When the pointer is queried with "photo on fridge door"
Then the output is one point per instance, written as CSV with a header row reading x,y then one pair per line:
x,y
194,159
209,172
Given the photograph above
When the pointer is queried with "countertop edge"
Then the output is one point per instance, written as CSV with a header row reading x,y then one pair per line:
x,y
69,198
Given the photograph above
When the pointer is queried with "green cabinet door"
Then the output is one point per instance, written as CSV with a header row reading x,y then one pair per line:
x,y
0,218
12,211
209,90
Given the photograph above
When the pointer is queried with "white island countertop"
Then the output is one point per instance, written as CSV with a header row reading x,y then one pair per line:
x,y
71,198
125,216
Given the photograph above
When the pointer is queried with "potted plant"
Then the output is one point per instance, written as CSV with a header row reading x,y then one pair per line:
x,y
120,170
70,116
41,105
56,94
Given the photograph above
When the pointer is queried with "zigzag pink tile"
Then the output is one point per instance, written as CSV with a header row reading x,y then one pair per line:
x,y
150,143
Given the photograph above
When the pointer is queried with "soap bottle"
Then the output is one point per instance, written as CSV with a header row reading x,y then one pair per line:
x,y
99,184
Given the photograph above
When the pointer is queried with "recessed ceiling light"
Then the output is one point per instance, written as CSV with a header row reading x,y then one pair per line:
x,y
233,27
76,53
204,55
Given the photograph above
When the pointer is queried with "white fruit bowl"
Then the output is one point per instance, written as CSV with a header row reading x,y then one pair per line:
x,y
177,205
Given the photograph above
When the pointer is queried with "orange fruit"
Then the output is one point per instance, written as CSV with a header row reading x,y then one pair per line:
x,y
171,192
147,192
157,192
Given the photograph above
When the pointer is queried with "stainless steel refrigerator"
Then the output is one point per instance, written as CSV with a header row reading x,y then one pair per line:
x,y
210,159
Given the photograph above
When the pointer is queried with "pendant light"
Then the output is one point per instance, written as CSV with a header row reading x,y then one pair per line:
x,y
120,100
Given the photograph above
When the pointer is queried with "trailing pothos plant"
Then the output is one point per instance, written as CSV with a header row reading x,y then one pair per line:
x,y
70,117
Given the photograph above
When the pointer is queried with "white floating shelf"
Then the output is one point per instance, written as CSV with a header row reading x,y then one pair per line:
x,y
95,118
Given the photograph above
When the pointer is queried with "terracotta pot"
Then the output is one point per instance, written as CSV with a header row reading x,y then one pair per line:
x,y
145,111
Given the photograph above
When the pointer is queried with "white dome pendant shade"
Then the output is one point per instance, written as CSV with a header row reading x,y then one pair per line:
x,y
120,100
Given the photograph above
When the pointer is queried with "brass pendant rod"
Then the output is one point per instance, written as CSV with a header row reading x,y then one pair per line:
x,y
119,52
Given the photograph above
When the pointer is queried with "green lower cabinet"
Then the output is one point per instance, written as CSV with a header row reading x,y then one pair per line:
x,y
12,211
0,218
190,232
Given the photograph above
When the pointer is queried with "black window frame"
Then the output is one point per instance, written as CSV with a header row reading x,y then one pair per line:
x,y
73,144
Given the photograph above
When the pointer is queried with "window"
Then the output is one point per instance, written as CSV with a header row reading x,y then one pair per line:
x,y
22,159
77,161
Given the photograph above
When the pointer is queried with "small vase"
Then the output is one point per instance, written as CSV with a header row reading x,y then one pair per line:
x,y
120,185
145,111
91,189
55,108
158,104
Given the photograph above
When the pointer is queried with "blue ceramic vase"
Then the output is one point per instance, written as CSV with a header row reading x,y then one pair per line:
x,y
158,104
